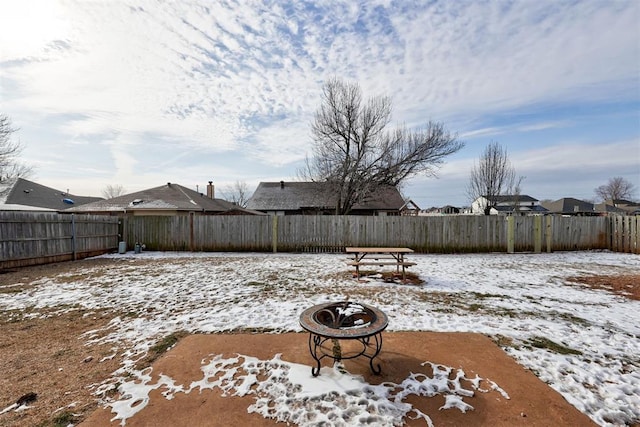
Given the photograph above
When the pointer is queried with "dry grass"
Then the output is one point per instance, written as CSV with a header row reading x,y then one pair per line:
x,y
48,357
625,285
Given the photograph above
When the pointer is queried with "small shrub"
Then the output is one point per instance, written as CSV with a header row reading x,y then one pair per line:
x,y
63,419
160,348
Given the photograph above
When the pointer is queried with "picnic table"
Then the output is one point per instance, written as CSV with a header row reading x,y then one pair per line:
x,y
379,256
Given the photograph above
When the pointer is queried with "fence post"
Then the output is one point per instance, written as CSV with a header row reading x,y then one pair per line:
x,y
191,237
537,234
635,233
549,232
511,234
123,236
73,237
274,233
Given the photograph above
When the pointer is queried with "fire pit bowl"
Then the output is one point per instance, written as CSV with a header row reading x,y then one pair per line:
x,y
344,320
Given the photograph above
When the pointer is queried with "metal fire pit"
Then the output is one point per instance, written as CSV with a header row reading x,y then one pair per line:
x,y
344,320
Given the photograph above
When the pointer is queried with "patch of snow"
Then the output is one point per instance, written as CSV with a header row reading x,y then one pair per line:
x,y
290,394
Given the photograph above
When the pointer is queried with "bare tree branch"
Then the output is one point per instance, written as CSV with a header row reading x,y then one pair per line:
x,y
10,167
237,193
492,175
616,189
355,154
113,190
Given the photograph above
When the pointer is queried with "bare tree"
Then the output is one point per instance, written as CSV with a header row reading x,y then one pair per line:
x,y
10,167
354,153
515,190
493,175
237,193
616,189
113,190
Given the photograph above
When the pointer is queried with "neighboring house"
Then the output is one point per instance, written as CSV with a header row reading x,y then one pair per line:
x,y
316,198
410,208
570,206
626,206
444,210
24,195
574,207
608,207
509,205
168,200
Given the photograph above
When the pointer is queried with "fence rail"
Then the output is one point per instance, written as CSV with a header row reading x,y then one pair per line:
x,y
38,238
28,238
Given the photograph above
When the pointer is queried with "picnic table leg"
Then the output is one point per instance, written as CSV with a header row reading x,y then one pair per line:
x,y
357,259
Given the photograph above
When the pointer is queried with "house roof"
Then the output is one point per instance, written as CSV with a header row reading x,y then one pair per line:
x,y
294,196
569,205
507,208
607,208
24,208
28,193
512,198
621,202
166,197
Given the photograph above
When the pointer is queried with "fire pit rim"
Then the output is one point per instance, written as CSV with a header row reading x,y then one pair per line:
x,y
309,322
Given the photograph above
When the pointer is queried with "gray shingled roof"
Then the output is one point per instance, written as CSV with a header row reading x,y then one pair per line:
x,y
28,193
294,196
536,208
569,205
166,197
607,208
512,198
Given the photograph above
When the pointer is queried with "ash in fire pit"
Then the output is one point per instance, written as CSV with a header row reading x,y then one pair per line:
x,y
342,315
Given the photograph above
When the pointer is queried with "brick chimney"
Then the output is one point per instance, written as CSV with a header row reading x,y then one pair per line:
x,y
210,190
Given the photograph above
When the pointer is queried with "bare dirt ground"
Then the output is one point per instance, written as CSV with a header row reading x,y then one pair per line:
x,y
627,286
49,357
530,403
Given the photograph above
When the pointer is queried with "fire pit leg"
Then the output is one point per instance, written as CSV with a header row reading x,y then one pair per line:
x,y
313,349
378,339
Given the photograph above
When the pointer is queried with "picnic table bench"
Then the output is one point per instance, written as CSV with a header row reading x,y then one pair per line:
x,y
362,256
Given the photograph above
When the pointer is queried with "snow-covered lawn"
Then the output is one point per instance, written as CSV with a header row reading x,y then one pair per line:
x,y
584,343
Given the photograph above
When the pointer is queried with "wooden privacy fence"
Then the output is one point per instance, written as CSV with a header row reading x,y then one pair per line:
x,y
444,234
38,238
625,234
28,238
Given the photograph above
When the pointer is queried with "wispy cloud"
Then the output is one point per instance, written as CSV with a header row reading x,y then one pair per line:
x,y
493,131
245,76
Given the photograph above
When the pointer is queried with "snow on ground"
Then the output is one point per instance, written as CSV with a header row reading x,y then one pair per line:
x,y
290,394
585,343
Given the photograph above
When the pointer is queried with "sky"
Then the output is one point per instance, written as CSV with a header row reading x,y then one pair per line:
x,y
140,93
